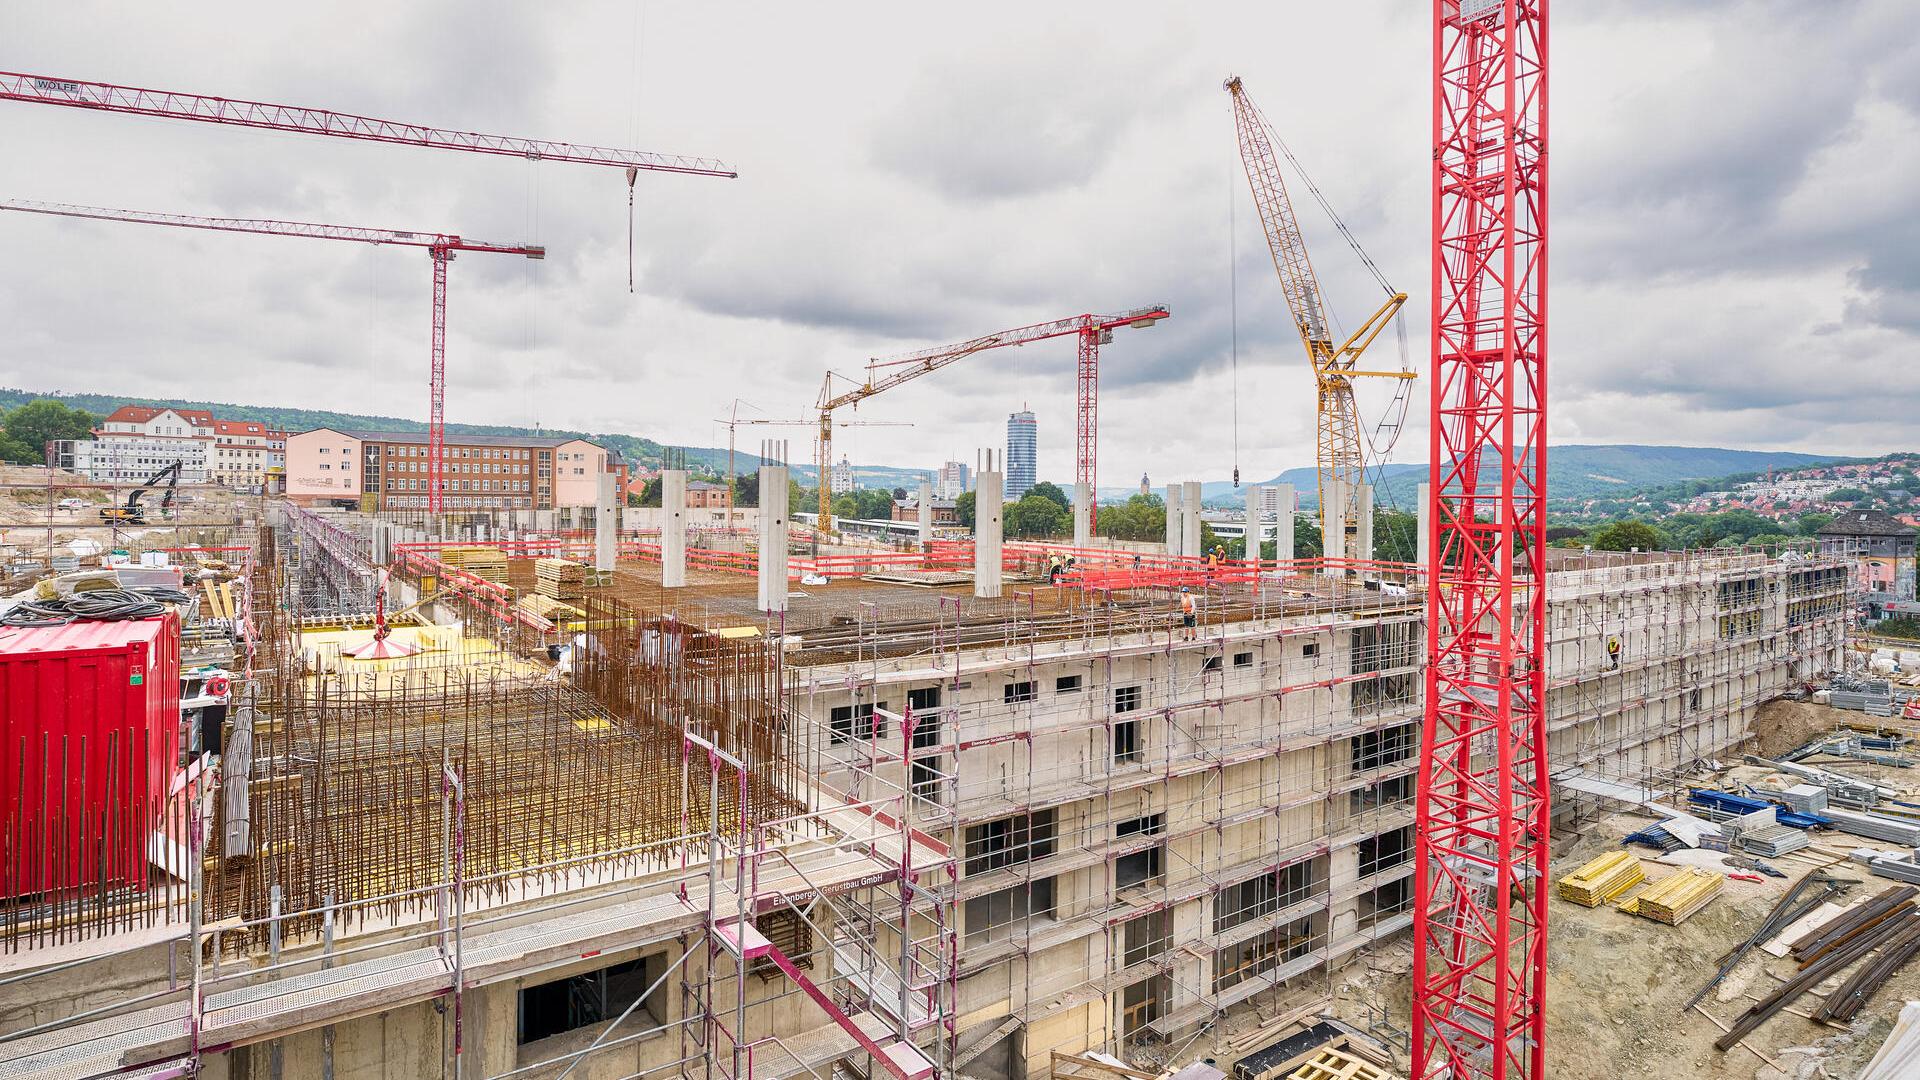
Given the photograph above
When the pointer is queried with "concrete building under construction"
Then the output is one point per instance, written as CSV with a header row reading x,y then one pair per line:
x,y
633,804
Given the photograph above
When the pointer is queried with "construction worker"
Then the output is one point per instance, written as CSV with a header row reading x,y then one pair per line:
x,y
1054,568
1189,614
1613,652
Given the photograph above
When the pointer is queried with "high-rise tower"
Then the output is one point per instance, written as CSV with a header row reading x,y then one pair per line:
x,y
1023,453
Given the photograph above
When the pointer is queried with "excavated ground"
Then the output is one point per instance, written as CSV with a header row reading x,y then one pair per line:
x,y
1618,983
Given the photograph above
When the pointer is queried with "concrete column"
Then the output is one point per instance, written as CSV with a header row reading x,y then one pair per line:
x,y
1190,519
382,543
987,535
1175,532
1283,523
605,526
1424,501
673,528
773,538
1333,523
1082,516
1363,522
1256,521
543,520
926,515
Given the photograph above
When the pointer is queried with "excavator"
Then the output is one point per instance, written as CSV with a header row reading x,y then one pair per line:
x,y
133,513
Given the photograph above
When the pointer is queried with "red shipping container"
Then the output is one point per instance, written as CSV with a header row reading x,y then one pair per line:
x,y
89,744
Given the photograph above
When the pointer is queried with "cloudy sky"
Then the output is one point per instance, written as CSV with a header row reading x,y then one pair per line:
x,y
1736,215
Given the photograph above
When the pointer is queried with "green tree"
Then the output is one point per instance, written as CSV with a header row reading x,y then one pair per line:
x,y
1900,626
32,426
1628,535
1047,489
1811,522
1396,536
963,508
1140,518
746,489
649,495
1849,495
1035,515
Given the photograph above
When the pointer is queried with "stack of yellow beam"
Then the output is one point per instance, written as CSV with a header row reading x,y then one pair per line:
x,y
1672,900
562,579
486,562
1603,879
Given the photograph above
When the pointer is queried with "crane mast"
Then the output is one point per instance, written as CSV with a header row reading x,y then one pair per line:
x,y
1481,800
1338,453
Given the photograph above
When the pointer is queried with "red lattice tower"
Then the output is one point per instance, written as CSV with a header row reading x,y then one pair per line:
x,y
1087,438
1480,947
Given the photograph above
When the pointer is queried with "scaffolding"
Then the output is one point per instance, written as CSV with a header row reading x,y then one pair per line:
x,y
1233,768
1231,813
416,833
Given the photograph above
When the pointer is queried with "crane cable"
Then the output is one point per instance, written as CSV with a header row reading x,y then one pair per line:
x,y
1376,453
1233,307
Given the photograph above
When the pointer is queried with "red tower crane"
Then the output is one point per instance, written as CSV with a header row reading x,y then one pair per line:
x,y
440,249
1481,813
238,112
1091,331
169,104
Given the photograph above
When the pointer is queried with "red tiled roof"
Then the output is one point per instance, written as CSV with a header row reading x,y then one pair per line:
x,y
238,427
140,414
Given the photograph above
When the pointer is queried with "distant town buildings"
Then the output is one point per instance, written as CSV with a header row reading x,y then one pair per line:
x,y
841,480
945,512
1145,488
381,470
239,457
1023,454
702,494
134,442
950,482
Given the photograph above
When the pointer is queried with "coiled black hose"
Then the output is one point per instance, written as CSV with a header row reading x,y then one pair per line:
x,y
102,605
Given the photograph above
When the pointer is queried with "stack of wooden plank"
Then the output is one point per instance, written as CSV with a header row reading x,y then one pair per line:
x,y
1674,899
478,560
1603,879
548,608
1331,1064
561,579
